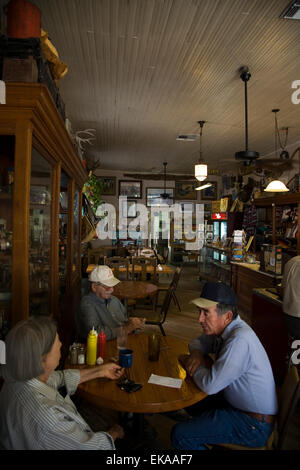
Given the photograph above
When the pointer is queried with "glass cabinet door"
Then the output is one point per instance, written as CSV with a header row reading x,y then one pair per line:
x,y
7,150
63,234
40,235
76,231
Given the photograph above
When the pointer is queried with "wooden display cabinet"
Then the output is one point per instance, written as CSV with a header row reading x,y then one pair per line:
x,y
289,199
40,209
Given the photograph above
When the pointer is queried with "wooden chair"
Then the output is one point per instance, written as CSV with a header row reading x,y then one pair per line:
x,y
120,267
288,397
142,274
163,259
158,318
174,283
96,255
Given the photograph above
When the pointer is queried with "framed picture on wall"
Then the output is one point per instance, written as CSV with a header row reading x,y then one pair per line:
x,y
130,189
186,190
109,185
211,192
129,208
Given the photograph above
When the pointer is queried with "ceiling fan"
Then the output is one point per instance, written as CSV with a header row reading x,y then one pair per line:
x,y
249,161
165,195
274,166
246,155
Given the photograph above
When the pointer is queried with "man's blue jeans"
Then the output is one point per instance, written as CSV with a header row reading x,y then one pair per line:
x,y
220,425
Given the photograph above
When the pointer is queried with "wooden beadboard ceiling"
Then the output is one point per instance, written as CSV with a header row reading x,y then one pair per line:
x,y
143,71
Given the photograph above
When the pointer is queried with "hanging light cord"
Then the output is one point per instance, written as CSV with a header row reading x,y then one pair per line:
x,y
201,123
282,146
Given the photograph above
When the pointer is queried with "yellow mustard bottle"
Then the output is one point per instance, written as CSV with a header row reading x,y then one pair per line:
x,y
91,349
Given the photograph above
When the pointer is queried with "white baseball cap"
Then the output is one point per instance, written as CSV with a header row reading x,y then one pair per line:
x,y
104,275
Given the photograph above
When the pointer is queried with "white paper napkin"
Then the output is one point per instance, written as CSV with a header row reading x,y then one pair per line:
x,y
165,381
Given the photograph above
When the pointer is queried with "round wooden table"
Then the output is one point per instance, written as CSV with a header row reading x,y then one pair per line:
x,y
150,398
134,290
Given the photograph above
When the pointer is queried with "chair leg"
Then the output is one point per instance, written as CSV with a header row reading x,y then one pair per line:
x,y
176,301
162,330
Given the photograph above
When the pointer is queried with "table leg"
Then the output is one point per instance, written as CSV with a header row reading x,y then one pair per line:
x,y
136,428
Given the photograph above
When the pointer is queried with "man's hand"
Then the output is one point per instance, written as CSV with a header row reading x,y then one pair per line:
x,y
111,371
135,323
192,361
116,432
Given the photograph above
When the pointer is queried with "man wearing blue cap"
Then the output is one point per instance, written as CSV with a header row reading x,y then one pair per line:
x,y
243,404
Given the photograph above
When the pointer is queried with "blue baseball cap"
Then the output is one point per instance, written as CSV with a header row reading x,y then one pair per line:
x,y
214,293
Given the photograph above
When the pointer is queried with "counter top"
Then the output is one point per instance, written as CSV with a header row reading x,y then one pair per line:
x,y
269,294
254,267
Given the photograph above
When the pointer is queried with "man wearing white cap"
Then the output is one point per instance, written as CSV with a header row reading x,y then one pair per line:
x,y
101,309
242,402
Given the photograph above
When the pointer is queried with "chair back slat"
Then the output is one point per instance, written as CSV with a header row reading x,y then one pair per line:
x,y
96,255
120,267
141,274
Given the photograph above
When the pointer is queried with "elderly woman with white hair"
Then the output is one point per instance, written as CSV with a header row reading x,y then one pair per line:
x,y
33,414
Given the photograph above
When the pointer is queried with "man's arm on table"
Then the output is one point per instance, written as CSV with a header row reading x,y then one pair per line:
x,y
192,361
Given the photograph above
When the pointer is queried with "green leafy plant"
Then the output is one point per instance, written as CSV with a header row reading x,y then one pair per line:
x,y
93,190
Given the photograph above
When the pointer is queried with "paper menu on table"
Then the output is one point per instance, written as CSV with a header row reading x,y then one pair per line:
x,y
165,381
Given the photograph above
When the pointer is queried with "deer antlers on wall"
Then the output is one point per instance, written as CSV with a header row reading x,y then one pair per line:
x,y
83,137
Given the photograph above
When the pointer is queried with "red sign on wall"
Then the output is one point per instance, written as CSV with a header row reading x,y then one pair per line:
x,y
219,216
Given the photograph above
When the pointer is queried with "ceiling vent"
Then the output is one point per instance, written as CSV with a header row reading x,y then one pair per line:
x,y
187,137
292,12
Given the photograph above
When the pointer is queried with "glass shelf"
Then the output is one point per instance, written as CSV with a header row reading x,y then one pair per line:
x,y
40,232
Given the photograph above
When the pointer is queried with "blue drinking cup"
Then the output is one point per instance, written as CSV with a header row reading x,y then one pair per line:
x,y
125,357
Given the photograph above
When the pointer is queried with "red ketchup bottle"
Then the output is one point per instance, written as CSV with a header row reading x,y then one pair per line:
x,y
101,344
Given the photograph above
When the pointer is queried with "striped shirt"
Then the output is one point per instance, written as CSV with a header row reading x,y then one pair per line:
x,y
35,416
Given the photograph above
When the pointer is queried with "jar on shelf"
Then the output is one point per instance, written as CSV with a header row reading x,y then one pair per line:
x,y
9,176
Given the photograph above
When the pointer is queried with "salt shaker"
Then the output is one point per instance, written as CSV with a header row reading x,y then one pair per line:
x,y
81,356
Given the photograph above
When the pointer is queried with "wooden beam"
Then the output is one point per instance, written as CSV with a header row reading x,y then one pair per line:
x,y
169,177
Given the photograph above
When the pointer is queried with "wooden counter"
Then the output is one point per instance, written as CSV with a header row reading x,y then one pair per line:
x,y
267,322
244,278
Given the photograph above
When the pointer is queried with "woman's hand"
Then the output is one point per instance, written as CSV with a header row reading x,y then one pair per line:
x,y
116,432
111,371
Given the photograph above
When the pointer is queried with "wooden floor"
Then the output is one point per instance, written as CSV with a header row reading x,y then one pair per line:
x,y
184,325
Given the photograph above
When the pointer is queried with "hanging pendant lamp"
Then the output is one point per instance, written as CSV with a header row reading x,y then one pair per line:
x,y
201,167
276,186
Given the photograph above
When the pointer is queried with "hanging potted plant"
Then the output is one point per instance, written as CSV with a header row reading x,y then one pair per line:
x,y
93,189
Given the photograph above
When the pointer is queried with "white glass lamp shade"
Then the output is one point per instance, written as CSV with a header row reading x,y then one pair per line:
x,y
276,186
201,171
